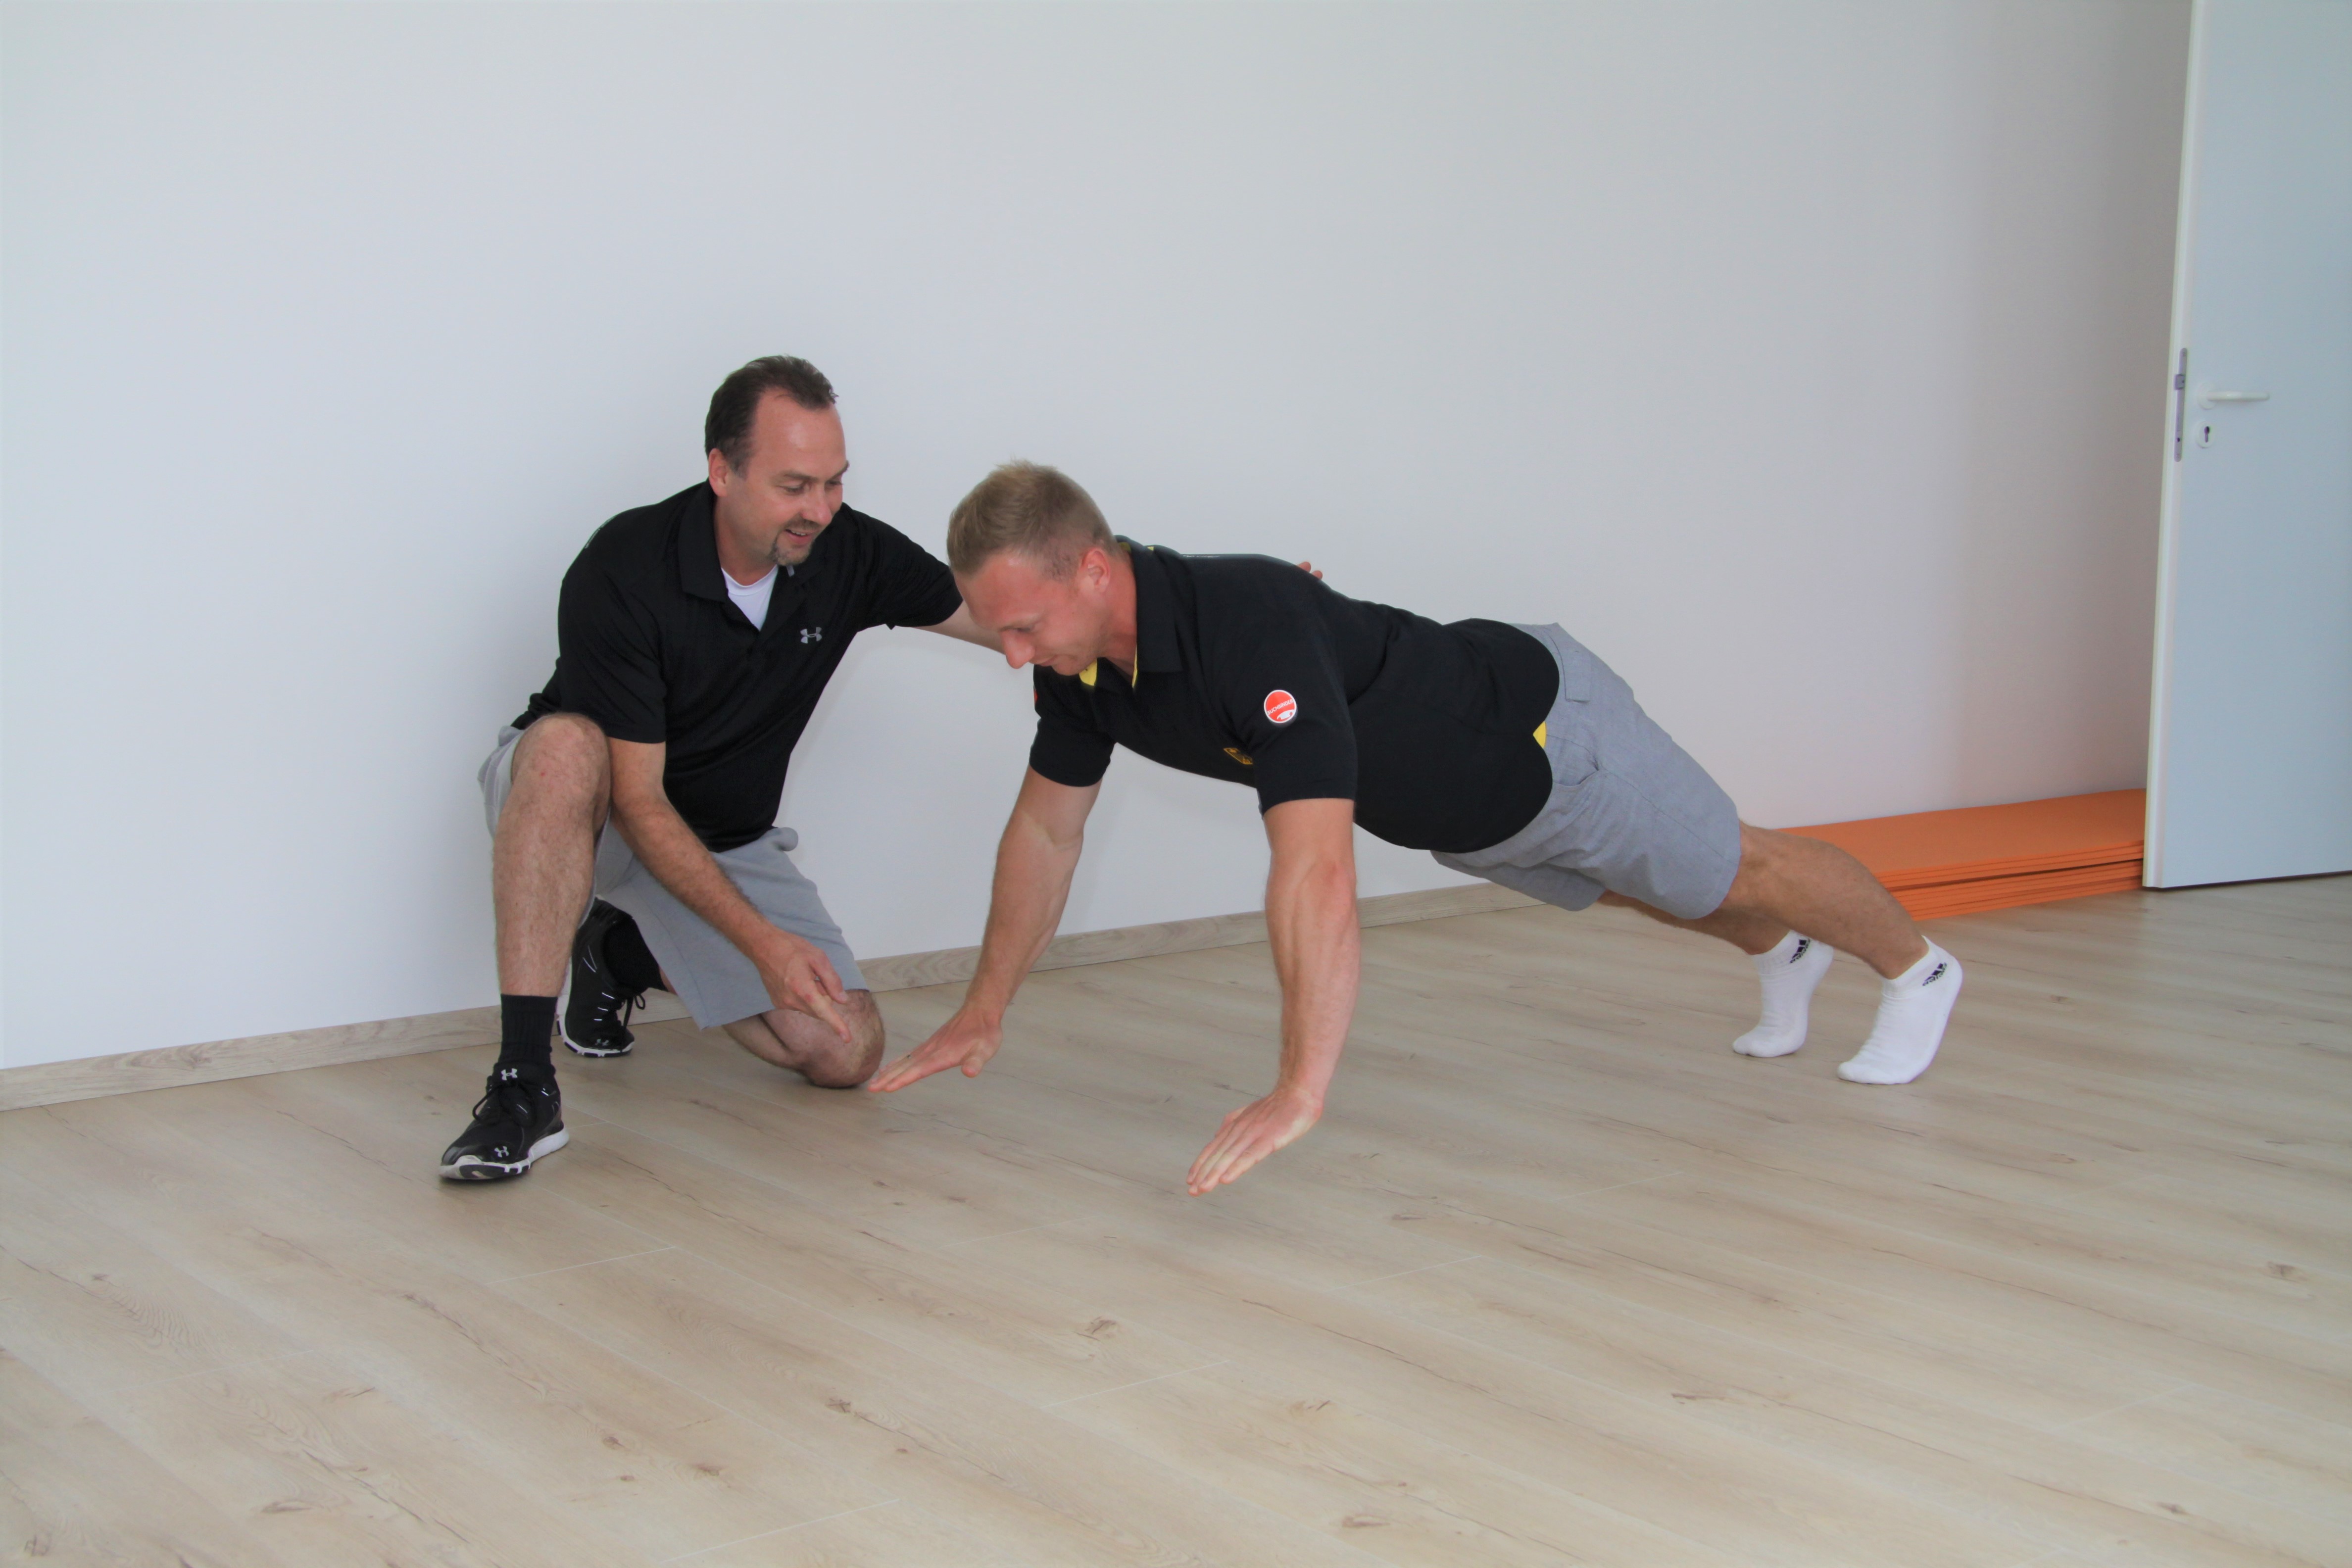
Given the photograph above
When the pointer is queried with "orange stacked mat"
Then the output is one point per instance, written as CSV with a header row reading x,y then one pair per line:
x,y
1998,857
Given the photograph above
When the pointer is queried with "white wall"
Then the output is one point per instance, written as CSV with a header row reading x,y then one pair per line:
x,y
1802,358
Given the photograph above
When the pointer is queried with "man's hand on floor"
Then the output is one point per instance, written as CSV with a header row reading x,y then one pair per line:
x,y
966,1041
1250,1134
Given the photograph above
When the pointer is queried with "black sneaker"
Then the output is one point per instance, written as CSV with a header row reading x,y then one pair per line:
x,y
593,1014
518,1118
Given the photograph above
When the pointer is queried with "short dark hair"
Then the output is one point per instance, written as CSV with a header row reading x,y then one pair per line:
x,y
727,429
1028,510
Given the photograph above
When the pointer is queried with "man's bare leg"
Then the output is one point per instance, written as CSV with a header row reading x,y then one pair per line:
x,y
542,866
807,1046
544,861
1787,885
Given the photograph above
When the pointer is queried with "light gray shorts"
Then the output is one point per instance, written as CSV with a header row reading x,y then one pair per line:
x,y
1630,812
716,982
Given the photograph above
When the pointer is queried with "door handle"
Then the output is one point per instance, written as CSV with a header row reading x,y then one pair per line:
x,y
2210,399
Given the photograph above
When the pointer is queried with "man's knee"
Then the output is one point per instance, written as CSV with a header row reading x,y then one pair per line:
x,y
1762,854
562,761
567,742
846,1065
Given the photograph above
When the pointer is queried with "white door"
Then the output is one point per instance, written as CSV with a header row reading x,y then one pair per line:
x,y
2250,761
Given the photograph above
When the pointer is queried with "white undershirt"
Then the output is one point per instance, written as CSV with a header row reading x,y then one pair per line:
x,y
752,598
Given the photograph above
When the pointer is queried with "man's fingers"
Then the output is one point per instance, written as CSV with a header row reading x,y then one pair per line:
x,y
907,1069
913,1068
1215,1160
1246,1137
818,1004
934,1054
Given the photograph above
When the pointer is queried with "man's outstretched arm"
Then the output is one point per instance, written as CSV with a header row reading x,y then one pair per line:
x,y
964,629
1035,863
1310,918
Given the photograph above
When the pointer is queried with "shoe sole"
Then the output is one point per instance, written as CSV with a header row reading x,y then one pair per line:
x,y
577,1049
472,1170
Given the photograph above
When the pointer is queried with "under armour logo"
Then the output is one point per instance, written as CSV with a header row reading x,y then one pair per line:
x,y
812,634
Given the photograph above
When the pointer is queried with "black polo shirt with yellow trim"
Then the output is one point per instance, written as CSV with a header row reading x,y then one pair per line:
x,y
650,646
1249,670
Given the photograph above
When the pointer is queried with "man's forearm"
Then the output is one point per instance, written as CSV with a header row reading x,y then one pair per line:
x,y
1310,916
678,860
1025,907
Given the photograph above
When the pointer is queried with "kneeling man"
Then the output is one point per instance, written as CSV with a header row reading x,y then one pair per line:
x,y
1509,752
694,638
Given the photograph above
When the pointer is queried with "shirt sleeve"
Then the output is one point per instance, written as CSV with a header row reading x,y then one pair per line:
x,y
1285,698
1069,748
608,657
905,584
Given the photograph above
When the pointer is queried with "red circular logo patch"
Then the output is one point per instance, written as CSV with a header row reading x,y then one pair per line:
x,y
1281,706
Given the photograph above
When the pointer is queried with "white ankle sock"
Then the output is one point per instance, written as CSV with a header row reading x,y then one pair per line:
x,y
1912,1010
1789,972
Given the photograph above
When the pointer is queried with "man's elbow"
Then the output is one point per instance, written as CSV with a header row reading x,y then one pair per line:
x,y
1324,879
1042,834
634,808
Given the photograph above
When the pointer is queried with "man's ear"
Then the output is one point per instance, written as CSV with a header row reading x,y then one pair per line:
x,y
720,474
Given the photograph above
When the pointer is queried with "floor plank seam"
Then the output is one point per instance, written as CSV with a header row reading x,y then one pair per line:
x,y
782,1530
1000,1236
1355,1283
585,1263
2127,1404
1620,1186
1139,1383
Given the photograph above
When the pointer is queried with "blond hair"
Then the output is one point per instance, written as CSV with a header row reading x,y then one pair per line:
x,y
1027,509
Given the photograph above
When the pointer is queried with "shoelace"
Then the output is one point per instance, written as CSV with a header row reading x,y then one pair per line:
x,y
510,1095
624,1006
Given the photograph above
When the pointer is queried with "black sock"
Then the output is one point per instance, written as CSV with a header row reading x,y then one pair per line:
x,y
628,960
527,1033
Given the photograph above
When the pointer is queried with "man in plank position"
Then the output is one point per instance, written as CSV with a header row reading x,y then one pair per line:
x,y
694,638
1509,752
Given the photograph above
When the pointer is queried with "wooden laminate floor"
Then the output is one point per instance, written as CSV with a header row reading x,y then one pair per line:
x,y
1559,1280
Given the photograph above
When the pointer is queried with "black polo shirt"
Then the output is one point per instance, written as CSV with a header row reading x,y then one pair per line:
x,y
1249,670
650,646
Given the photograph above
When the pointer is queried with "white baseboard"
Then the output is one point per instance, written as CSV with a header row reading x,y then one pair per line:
x,y
51,1083
47,1083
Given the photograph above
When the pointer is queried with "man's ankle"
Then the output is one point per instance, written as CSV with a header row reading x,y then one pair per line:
x,y
527,1033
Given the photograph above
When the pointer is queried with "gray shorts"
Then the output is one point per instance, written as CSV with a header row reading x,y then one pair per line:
x,y
716,982
1629,812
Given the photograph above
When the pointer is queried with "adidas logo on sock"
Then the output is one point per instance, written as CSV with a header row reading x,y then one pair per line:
x,y
1804,946
1932,975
